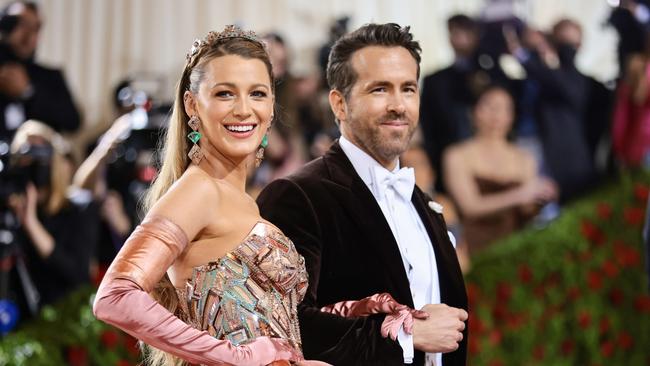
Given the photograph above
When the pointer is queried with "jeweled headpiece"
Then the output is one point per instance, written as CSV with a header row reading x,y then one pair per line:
x,y
230,31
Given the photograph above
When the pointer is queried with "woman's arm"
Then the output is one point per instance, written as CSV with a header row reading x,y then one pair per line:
x,y
123,300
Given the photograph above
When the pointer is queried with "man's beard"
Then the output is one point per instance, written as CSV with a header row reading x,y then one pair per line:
x,y
391,146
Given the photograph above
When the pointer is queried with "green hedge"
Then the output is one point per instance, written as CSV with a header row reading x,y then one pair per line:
x,y
574,293
69,334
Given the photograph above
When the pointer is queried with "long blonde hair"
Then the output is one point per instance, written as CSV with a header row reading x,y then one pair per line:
x,y
60,177
176,147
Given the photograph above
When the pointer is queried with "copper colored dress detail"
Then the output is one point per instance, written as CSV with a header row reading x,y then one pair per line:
x,y
252,291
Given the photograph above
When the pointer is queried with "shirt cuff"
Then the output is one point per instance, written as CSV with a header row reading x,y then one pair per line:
x,y
406,342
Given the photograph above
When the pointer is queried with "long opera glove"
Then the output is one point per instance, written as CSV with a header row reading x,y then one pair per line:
x,y
398,315
123,301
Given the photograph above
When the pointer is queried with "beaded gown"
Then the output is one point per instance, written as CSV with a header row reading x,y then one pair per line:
x,y
252,291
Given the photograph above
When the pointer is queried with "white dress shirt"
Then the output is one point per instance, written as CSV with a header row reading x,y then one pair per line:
x,y
418,256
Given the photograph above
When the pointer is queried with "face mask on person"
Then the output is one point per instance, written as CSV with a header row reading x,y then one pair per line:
x,y
566,53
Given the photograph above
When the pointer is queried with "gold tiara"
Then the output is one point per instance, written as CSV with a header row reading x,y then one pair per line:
x,y
230,31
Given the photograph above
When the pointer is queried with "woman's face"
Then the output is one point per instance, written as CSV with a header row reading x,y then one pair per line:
x,y
234,104
493,114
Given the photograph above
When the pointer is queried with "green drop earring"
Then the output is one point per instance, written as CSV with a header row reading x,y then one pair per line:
x,y
195,153
259,155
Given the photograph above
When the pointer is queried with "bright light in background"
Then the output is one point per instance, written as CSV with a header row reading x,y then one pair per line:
x,y
614,3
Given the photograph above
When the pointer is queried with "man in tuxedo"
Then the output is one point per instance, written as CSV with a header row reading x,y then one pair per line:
x,y
27,89
360,222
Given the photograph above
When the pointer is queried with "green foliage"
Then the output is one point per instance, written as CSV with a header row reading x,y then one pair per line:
x,y
68,334
573,293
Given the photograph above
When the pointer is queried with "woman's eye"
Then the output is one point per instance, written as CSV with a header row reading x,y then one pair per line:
x,y
224,94
258,94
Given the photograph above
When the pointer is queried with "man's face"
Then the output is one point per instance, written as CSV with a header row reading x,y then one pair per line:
x,y
462,40
381,111
24,38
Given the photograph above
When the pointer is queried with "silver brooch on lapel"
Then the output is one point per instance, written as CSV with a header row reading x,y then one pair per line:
x,y
436,207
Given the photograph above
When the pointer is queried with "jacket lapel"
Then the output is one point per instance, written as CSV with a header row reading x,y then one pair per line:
x,y
450,277
355,197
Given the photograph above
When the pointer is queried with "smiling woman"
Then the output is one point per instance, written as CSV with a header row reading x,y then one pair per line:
x,y
225,282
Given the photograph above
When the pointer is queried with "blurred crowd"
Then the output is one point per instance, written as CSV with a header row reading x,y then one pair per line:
x,y
509,133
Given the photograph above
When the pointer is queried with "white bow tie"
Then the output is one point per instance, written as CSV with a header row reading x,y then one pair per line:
x,y
401,181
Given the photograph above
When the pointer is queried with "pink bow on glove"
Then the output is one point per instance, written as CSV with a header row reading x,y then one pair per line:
x,y
398,315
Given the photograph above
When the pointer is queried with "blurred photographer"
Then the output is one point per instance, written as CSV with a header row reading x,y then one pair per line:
x,y
27,89
56,236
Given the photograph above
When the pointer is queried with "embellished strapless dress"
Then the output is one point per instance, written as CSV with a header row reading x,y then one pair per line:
x,y
252,291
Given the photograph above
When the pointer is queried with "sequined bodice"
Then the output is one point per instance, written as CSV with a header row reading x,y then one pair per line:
x,y
252,291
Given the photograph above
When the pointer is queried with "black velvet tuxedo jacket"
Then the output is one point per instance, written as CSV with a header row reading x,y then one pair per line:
x,y
350,253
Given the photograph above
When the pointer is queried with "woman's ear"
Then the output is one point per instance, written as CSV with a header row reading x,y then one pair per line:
x,y
190,103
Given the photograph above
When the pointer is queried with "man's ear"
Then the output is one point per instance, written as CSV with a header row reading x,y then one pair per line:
x,y
338,105
189,103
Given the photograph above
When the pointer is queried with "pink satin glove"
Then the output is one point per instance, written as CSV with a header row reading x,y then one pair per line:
x,y
398,315
264,351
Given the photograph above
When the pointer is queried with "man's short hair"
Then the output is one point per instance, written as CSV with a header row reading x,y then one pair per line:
x,y
340,73
462,21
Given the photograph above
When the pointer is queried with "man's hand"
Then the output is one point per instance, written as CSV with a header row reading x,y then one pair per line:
x,y
442,331
14,80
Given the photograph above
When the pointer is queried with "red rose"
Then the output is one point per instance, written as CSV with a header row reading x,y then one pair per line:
x,y
567,347
472,293
77,356
616,296
474,346
131,345
625,340
610,269
591,232
495,337
642,303
504,291
594,280
573,293
604,325
123,363
109,338
499,313
584,319
625,255
496,363
538,352
607,348
604,210
641,192
633,215
525,273
476,325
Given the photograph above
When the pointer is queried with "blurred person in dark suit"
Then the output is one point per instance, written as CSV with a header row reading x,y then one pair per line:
x,y
447,95
27,89
561,105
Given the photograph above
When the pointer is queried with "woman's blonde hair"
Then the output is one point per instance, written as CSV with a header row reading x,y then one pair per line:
x,y
176,147
60,177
